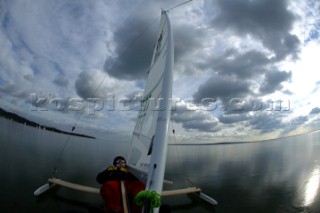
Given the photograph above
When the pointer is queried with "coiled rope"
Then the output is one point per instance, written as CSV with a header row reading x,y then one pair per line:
x,y
146,195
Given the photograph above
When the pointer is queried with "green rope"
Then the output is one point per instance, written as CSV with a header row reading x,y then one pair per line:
x,y
152,196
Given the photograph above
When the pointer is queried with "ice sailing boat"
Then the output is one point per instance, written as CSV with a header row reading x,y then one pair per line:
x,y
147,157
148,152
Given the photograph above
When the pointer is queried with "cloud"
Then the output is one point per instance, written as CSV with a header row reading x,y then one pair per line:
x,y
61,81
187,40
134,42
223,88
317,87
266,123
315,110
270,21
243,65
241,74
194,119
45,41
135,39
15,91
234,118
273,80
295,123
94,84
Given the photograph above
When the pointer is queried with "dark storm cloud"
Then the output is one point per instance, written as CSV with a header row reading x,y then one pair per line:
x,y
244,66
235,76
251,73
235,71
134,46
270,21
135,40
223,88
273,80
187,39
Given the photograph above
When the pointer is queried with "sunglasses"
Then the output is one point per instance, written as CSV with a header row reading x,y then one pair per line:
x,y
120,161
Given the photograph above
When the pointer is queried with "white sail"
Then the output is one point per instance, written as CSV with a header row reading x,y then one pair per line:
x,y
149,142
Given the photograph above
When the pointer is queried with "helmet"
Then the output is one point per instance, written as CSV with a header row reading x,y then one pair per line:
x,y
118,158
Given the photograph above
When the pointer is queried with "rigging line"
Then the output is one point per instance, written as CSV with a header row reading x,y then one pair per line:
x,y
55,168
178,153
190,181
178,5
175,141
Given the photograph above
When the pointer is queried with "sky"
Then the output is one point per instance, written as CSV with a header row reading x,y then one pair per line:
x,y
243,70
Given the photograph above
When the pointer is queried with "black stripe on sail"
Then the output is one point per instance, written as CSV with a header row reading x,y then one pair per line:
x,y
151,146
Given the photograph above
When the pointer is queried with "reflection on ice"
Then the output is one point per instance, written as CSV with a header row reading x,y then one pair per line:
x,y
312,187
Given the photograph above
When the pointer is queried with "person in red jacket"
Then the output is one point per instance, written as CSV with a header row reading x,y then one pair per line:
x,y
111,188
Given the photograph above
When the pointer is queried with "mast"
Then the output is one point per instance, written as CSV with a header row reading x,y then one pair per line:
x,y
160,141
148,152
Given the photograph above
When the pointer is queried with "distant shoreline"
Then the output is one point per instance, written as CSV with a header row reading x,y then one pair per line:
x,y
241,142
22,120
